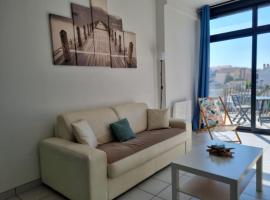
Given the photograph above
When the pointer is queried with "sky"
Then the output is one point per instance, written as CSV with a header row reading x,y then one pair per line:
x,y
237,52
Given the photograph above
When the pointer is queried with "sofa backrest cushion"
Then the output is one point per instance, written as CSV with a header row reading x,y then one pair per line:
x,y
136,114
84,133
99,120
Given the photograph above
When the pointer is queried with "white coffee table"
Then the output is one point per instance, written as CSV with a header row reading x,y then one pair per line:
x,y
216,177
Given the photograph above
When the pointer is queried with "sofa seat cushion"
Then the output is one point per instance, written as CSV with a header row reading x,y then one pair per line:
x,y
122,157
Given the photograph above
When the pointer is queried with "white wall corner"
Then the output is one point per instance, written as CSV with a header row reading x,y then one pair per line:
x,y
181,44
183,8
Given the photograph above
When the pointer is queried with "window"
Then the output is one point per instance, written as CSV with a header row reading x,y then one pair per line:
x,y
240,62
264,15
231,22
263,81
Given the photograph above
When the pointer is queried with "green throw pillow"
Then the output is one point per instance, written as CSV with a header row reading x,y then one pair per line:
x,y
121,130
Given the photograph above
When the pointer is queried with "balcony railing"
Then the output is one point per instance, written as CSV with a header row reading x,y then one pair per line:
x,y
237,97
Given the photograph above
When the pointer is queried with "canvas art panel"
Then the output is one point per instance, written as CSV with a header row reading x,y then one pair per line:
x,y
115,23
102,48
117,49
92,38
62,36
103,4
100,14
130,49
84,35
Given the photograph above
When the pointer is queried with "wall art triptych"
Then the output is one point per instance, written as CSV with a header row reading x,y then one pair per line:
x,y
92,37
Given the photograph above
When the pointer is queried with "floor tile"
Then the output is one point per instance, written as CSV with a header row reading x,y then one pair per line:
x,y
251,191
165,175
13,198
28,186
55,197
135,194
153,186
156,198
193,198
167,194
7,194
38,193
183,179
266,160
266,179
247,197
255,140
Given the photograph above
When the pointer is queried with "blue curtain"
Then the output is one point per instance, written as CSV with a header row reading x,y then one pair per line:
x,y
203,79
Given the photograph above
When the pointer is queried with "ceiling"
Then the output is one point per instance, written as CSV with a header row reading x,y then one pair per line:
x,y
194,4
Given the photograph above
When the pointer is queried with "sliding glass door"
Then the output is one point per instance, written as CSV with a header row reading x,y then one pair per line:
x,y
263,82
240,65
230,77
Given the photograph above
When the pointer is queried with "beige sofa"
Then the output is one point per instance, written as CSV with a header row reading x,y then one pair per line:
x,y
80,172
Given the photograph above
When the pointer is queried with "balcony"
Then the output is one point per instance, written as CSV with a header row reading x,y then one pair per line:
x,y
237,98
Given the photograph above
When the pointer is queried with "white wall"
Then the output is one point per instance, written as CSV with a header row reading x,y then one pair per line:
x,y
33,91
181,41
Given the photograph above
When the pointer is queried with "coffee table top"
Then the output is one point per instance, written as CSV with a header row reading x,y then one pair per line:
x,y
200,162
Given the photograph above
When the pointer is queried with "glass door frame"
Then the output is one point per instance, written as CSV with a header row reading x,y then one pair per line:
x,y
253,32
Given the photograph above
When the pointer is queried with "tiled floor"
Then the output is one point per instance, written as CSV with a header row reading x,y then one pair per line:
x,y
158,187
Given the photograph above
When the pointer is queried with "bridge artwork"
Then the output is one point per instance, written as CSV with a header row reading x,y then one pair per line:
x,y
92,37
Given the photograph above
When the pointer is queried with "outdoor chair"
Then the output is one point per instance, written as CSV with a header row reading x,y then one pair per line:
x,y
241,108
262,108
211,117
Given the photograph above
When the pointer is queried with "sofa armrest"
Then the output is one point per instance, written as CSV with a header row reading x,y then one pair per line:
x,y
177,123
75,170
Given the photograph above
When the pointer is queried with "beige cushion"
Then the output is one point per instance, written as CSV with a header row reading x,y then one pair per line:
x,y
157,118
122,166
136,114
84,134
98,119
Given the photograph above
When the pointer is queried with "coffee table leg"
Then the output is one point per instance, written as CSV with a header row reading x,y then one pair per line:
x,y
175,183
234,191
259,174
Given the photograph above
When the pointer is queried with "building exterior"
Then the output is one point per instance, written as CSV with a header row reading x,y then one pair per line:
x,y
225,74
263,76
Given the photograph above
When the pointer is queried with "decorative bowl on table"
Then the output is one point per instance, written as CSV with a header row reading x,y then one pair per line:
x,y
220,150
